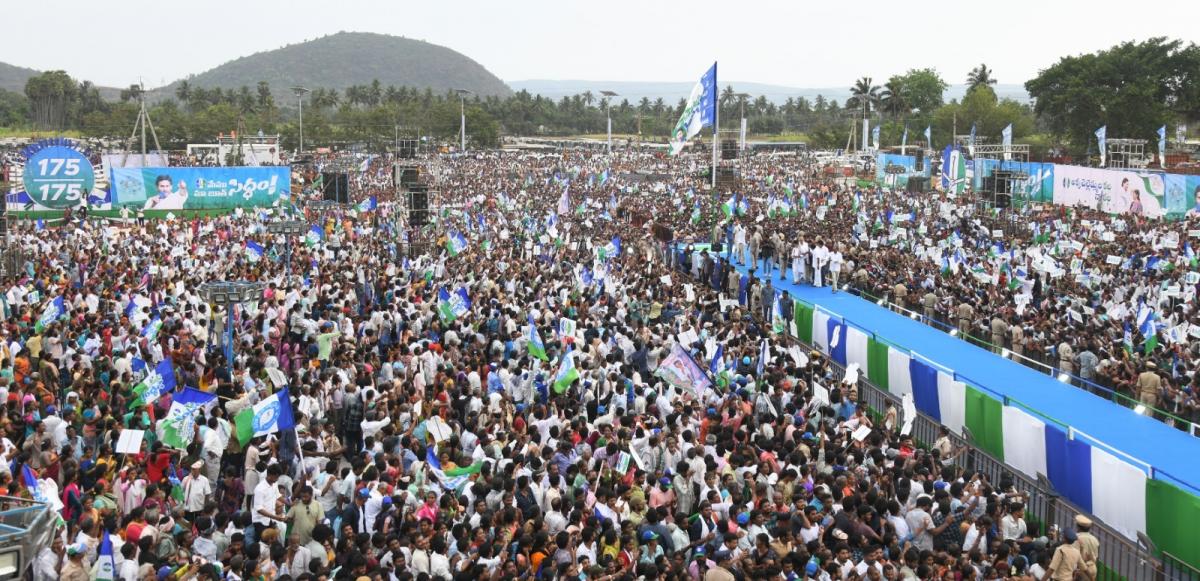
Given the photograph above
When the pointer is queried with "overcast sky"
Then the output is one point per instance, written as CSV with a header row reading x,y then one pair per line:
x,y
800,44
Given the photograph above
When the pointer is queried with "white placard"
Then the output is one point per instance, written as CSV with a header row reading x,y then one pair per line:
x,y
665,279
1075,315
997,233
688,338
727,304
689,293
820,394
130,441
1112,259
438,429
861,433
1108,237
1193,233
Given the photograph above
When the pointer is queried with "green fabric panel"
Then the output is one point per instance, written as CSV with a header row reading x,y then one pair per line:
x,y
804,320
1103,573
877,363
985,420
1171,518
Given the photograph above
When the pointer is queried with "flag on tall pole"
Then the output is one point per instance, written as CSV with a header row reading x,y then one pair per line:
x,y
1006,140
1102,138
904,139
699,111
928,137
971,143
875,137
1162,147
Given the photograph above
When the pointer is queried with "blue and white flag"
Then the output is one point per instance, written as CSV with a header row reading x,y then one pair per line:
x,y
717,364
32,484
928,137
315,236
453,305
1006,141
610,250
1102,138
180,423
53,312
762,360
455,244
875,137
158,381
564,201
272,414
1162,147
136,302
700,111
106,564
455,479
368,204
254,251
971,143
150,331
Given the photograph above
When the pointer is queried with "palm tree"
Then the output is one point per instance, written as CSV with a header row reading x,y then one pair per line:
x,y
864,95
892,99
588,98
183,92
980,76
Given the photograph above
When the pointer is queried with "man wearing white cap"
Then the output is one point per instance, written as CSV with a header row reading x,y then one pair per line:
x,y
196,488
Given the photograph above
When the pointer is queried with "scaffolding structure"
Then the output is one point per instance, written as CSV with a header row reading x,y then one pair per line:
x,y
1001,189
1126,154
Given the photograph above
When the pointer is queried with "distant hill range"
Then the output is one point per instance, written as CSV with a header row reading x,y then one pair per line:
x,y
336,61
344,59
673,92
12,77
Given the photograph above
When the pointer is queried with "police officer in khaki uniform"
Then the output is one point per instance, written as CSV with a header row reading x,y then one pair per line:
x,y
999,331
900,292
966,314
1066,357
1089,545
1018,336
1149,384
929,301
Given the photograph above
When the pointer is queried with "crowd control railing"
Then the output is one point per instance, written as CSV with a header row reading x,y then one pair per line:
x,y
1120,558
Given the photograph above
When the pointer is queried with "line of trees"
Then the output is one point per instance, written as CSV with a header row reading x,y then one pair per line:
x,y
1134,88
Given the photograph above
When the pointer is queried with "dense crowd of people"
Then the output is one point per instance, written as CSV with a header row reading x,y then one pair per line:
x,y
518,389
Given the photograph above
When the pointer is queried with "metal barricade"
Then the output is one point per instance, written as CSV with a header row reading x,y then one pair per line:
x,y
1120,558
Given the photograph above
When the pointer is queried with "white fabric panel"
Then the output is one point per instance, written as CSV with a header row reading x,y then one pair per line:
x,y
1024,441
952,402
899,376
856,349
1118,493
821,331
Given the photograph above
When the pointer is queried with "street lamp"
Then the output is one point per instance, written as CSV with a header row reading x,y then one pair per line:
x,y
230,294
462,104
608,95
741,97
299,92
288,228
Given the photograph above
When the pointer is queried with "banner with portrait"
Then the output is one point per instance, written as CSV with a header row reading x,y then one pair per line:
x,y
197,188
1111,191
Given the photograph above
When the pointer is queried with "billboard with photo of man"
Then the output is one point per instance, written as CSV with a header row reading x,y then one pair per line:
x,y
196,188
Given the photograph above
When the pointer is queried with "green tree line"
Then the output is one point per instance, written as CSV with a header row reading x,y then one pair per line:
x,y
1134,88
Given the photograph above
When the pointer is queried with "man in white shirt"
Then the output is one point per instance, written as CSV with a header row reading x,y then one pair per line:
x,y
196,488
266,507
835,267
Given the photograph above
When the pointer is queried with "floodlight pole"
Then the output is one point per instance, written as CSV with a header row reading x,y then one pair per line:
x,y
462,104
300,91
608,95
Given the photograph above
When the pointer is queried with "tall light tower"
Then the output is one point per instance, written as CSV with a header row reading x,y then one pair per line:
x,y
300,92
742,97
608,95
462,104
